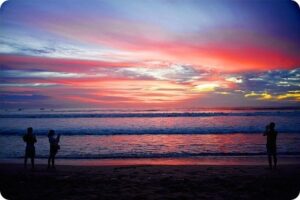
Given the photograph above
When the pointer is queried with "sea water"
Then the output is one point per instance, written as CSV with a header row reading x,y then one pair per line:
x,y
98,133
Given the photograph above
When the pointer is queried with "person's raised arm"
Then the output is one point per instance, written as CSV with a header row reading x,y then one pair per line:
x,y
24,137
265,133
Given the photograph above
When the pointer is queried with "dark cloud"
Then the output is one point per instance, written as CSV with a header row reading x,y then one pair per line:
x,y
26,49
272,81
21,96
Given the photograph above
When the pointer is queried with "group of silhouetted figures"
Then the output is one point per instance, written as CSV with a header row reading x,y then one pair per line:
x,y
30,140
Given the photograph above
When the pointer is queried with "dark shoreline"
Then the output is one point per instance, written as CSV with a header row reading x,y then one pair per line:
x,y
150,182
260,160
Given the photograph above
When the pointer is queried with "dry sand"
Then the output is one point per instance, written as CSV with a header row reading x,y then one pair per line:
x,y
150,182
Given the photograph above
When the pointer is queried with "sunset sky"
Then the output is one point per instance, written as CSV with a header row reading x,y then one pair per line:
x,y
150,53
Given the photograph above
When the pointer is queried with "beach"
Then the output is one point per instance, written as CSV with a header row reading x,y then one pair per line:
x,y
150,182
189,154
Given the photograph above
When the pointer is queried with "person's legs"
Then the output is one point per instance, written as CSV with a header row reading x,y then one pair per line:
x,y
32,157
25,161
49,158
53,161
32,162
270,161
25,157
275,160
53,158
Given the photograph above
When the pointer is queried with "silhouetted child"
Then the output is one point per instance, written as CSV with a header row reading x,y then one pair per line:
x,y
271,134
30,139
54,147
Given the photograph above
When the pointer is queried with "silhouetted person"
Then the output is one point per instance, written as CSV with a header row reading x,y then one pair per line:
x,y
30,139
54,147
271,134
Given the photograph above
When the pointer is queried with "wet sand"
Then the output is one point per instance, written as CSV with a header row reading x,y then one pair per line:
x,y
150,182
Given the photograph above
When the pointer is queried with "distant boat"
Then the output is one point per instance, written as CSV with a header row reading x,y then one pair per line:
x,y
20,109
42,108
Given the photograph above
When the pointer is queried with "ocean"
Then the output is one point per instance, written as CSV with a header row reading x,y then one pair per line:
x,y
182,133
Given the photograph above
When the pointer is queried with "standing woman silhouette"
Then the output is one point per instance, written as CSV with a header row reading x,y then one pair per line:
x,y
271,145
30,139
54,147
